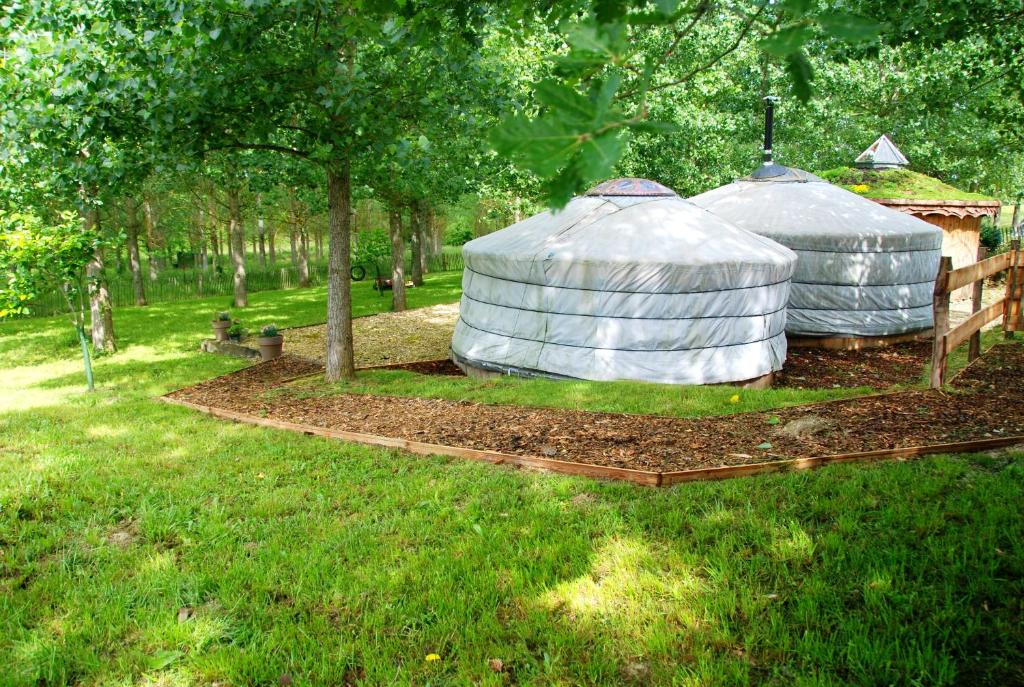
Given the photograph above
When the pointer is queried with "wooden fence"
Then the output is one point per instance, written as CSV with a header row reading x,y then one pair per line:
x,y
1009,307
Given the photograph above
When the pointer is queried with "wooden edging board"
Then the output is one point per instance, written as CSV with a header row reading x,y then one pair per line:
x,y
643,477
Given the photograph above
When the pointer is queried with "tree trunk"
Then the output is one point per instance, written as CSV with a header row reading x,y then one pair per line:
x,y
300,242
271,242
416,243
237,233
340,358
134,259
152,245
204,261
303,260
101,311
397,259
291,238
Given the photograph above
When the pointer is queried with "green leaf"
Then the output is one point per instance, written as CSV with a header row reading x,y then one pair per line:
x,y
608,11
850,27
565,99
605,95
599,155
656,127
666,7
801,72
765,446
543,146
587,38
214,33
773,420
786,41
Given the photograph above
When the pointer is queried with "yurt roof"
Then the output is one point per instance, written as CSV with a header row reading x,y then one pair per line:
x,y
817,215
635,243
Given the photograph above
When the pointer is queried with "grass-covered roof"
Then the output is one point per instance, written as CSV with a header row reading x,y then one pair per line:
x,y
896,183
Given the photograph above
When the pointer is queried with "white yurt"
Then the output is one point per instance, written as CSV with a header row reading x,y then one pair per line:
x,y
863,270
629,281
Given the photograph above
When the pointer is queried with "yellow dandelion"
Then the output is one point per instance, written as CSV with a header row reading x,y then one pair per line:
x,y
860,188
735,398
433,657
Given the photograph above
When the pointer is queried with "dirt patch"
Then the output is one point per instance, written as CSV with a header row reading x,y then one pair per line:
x,y
385,339
879,368
985,406
444,368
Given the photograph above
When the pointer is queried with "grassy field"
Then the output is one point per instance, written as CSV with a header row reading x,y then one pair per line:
x,y
144,544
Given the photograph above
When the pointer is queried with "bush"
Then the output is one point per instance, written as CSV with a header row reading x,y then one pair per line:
x,y
991,236
223,316
236,331
458,235
371,247
269,330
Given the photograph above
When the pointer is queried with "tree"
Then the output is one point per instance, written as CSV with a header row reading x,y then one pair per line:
x,y
39,256
297,79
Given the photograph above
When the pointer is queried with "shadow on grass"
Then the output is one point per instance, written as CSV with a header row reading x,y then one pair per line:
x,y
334,562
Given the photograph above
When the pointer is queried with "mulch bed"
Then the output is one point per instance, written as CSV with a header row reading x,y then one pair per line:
x,y
989,402
819,368
806,368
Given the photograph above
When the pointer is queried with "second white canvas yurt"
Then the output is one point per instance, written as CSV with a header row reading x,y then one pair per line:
x,y
863,270
630,282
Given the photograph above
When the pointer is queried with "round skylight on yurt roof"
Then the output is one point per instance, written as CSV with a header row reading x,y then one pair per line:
x,y
629,186
626,282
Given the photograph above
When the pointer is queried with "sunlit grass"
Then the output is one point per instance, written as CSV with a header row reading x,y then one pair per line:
x,y
340,564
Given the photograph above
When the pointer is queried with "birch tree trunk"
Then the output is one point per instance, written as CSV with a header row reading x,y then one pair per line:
x,y
133,224
271,242
237,234
397,259
294,246
416,243
101,310
303,259
340,357
152,245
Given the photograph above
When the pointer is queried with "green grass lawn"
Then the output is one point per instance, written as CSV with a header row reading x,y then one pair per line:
x,y
340,564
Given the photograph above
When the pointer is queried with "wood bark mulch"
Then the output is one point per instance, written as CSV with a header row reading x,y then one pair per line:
x,y
878,368
988,401
805,368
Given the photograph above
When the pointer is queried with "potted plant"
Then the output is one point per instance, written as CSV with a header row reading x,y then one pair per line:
x,y
236,332
220,325
271,342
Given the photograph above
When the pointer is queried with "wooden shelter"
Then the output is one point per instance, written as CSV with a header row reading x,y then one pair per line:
x,y
884,179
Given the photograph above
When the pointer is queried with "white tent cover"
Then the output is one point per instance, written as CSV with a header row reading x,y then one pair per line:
x,y
863,270
639,287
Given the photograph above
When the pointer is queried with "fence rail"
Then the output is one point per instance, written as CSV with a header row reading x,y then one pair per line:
x,y
1009,307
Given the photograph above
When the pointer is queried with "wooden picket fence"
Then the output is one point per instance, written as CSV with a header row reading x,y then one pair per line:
x,y
1010,307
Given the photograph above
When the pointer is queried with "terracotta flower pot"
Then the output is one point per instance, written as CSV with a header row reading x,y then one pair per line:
x,y
220,329
270,347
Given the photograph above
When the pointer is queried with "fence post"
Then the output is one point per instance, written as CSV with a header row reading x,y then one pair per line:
x,y
974,347
1011,308
940,306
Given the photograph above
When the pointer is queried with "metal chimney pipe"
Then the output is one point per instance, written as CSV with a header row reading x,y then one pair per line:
x,y
769,125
